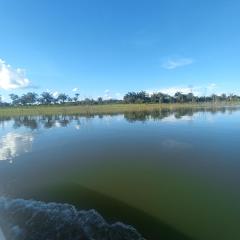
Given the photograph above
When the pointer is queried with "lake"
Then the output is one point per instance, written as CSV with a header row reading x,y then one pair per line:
x,y
170,174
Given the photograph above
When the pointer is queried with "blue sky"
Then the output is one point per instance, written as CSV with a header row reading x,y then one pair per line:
x,y
106,48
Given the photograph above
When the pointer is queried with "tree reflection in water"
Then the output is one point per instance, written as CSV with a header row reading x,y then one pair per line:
x,y
50,121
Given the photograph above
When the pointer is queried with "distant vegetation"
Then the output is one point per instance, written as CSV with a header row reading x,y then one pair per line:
x,y
46,98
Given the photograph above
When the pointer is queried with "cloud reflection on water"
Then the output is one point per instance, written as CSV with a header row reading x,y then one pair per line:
x,y
1,235
14,144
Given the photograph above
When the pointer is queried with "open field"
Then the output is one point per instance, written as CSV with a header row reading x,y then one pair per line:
x,y
103,109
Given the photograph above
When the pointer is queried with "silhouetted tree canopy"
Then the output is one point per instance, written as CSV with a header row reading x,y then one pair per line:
x,y
47,98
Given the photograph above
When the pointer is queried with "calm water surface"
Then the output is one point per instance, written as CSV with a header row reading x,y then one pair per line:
x,y
170,174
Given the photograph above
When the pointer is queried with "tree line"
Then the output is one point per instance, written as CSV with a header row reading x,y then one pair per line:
x,y
47,98
178,97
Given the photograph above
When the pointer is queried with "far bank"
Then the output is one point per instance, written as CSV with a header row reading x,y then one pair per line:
x,y
66,109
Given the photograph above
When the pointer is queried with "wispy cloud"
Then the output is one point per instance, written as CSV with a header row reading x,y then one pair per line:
x,y
111,95
176,63
212,86
75,89
11,78
172,90
196,90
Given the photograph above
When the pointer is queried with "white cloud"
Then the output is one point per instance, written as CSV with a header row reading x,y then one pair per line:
x,y
209,89
175,63
172,90
197,91
111,95
119,96
107,94
75,89
212,86
11,78
55,94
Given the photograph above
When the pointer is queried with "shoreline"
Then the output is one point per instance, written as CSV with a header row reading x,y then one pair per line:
x,y
105,108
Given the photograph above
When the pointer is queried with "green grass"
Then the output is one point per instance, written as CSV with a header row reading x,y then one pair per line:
x,y
102,109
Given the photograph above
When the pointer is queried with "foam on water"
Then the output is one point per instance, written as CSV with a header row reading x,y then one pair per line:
x,y
34,220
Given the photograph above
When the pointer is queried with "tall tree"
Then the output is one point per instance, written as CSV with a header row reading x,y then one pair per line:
x,y
28,98
46,98
100,100
190,97
180,97
15,98
62,97
76,96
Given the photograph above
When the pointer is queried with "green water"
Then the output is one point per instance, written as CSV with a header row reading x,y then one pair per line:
x,y
173,175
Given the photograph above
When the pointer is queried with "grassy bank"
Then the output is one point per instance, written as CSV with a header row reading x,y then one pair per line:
x,y
103,109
